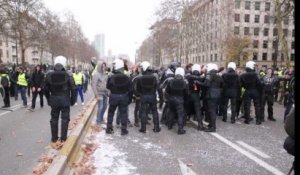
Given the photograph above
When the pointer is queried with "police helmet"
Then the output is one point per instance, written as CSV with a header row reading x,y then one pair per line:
x,y
196,68
179,71
118,64
145,65
231,65
250,65
60,60
173,66
211,66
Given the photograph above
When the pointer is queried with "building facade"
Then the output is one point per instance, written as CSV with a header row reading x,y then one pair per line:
x,y
213,21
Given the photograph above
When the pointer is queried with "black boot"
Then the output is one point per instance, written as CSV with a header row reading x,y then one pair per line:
x,y
258,122
156,129
272,119
232,121
211,129
124,132
181,131
109,130
143,128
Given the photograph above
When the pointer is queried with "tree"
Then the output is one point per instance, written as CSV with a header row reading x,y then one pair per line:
x,y
283,9
236,49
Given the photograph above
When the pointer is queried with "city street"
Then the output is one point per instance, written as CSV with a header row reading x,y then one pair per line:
x,y
233,149
24,135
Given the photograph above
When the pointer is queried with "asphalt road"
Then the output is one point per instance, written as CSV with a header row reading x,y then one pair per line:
x,y
24,135
234,149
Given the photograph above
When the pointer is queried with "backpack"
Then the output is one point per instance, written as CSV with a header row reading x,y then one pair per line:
x,y
4,81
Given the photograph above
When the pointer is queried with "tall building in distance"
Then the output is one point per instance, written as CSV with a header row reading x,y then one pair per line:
x,y
99,44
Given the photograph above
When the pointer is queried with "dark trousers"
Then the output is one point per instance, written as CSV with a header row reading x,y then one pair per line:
x,y
148,101
65,118
289,105
12,89
195,99
176,106
161,97
23,89
34,95
276,92
250,95
211,112
233,100
6,98
117,101
137,109
267,98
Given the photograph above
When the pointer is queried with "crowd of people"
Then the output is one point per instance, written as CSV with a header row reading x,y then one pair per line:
x,y
203,92
30,81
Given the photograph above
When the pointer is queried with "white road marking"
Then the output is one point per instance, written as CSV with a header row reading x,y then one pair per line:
x,y
185,170
5,113
254,150
260,162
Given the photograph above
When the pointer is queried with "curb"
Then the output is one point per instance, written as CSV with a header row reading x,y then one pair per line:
x,y
67,155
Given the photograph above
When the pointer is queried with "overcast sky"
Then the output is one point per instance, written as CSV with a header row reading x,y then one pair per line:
x,y
125,23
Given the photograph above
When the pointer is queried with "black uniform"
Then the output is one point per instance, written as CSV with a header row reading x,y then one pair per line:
x,y
134,79
250,81
291,96
60,93
214,83
194,97
268,83
37,81
147,86
176,91
120,86
231,90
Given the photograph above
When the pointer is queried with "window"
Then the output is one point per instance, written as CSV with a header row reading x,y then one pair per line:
x,y
267,19
236,30
267,6
292,57
293,45
286,21
266,32
247,18
256,19
247,5
274,56
7,54
255,43
237,4
265,56
256,31
211,57
285,31
246,30
255,56
265,44
275,32
275,44
257,5
237,17
216,57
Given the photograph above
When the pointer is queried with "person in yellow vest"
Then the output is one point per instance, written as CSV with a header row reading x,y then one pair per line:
x,y
22,83
79,79
5,84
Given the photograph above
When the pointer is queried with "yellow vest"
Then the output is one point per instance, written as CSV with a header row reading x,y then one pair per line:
x,y
22,80
78,78
280,73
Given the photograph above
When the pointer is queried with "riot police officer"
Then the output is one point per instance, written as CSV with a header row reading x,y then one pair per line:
x,y
60,93
250,81
194,88
231,91
120,86
269,81
176,91
147,86
214,84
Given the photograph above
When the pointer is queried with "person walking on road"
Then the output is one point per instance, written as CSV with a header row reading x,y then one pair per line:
x,y
79,79
37,81
22,85
101,93
60,94
5,84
